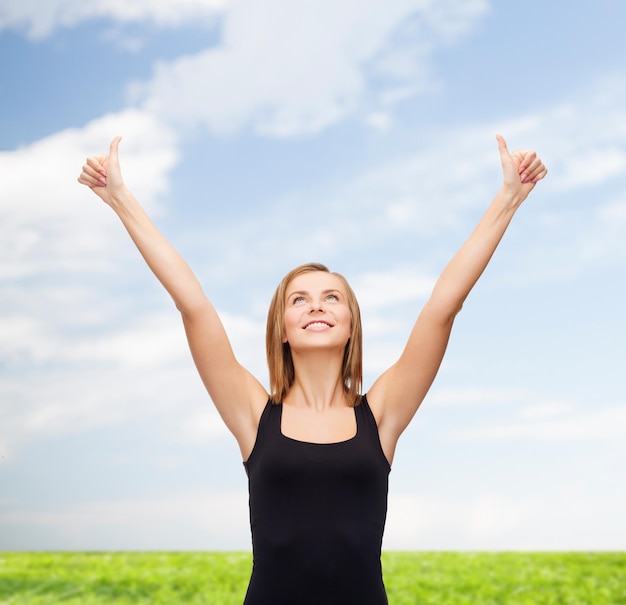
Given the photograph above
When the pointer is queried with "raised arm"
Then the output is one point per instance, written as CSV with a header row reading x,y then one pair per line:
x,y
397,394
238,396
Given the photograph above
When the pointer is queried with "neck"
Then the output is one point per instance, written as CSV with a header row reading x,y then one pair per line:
x,y
318,381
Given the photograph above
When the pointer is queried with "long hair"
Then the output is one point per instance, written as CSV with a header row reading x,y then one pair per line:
x,y
279,359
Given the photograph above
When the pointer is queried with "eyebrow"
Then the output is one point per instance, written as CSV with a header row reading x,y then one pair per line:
x,y
301,292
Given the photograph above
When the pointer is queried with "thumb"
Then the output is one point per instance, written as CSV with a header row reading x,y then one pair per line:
x,y
113,151
505,156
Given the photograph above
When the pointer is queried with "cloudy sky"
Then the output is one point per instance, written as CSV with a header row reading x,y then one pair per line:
x,y
260,134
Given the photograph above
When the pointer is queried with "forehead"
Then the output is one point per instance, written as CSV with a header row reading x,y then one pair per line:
x,y
315,281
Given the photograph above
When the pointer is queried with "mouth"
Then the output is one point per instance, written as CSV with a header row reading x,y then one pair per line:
x,y
317,325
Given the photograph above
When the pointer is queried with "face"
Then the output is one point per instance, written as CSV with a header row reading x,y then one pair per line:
x,y
316,312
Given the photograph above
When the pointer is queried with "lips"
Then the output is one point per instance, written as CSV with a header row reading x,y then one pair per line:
x,y
317,325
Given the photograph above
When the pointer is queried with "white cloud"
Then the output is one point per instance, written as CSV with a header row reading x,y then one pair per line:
x,y
84,353
153,342
50,222
64,369
492,516
475,396
400,206
419,196
422,195
594,167
72,399
379,120
215,520
41,17
547,409
288,68
247,337
201,520
51,225
376,290
98,380
547,423
491,520
524,416
583,142
201,428
407,204
604,240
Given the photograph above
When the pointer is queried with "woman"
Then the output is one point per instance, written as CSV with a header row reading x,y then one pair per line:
x,y
317,453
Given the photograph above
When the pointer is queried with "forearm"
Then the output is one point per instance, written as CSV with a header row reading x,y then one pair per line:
x,y
463,271
165,262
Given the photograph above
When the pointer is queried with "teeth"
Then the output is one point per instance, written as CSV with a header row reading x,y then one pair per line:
x,y
318,324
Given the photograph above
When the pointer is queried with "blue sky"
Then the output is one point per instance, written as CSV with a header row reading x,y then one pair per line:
x,y
260,135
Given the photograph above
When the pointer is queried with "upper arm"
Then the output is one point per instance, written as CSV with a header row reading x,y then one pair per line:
x,y
238,396
398,393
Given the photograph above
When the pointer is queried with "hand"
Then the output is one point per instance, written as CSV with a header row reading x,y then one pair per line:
x,y
521,170
102,173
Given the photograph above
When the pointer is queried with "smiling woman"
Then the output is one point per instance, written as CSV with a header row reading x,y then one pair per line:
x,y
292,299
317,452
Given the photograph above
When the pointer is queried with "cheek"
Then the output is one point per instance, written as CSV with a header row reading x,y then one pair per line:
x,y
287,322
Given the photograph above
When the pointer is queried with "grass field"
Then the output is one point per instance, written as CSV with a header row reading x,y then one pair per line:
x,y
220,578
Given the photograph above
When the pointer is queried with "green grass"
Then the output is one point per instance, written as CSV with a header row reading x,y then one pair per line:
x,y
505,578
221,578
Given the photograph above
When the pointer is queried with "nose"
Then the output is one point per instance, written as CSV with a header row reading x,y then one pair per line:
x,y
316,305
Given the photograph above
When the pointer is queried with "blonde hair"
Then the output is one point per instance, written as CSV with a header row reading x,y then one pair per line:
x,y
279,360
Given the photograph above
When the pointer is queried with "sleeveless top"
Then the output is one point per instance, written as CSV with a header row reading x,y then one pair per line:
x,y
317,515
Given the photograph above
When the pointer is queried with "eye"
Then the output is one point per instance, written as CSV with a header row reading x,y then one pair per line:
x,y
333,298
297,299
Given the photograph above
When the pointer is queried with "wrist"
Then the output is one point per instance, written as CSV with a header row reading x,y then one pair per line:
x,y
120,198
510,197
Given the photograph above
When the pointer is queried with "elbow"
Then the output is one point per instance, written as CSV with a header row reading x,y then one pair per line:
x,y
444,314
189,309
450,316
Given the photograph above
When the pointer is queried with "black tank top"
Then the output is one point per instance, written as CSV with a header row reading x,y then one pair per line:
x,y
317,515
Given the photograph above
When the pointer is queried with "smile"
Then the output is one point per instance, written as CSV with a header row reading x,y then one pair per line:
x,y
317,325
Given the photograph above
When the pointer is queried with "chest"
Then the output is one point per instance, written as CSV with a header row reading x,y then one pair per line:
x,y
333,425
317,478
350,460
